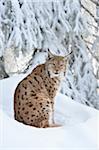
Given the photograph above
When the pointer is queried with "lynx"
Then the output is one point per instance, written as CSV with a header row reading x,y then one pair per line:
x,y
34,95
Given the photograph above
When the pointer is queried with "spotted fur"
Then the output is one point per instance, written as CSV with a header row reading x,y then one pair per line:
x,y
34,95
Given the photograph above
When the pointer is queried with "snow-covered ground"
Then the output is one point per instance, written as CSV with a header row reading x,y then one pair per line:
x,y
79,130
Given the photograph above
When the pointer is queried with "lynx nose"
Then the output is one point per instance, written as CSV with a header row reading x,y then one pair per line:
x,y
56,72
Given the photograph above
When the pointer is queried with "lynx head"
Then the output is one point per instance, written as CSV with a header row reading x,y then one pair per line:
x,y
56,66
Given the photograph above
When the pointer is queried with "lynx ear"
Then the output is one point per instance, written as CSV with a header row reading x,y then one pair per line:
x,y
66,56
50,55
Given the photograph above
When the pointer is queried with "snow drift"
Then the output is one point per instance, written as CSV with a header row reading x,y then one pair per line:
x,y
79,124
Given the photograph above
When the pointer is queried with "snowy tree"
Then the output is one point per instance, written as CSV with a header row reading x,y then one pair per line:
x,y
28,27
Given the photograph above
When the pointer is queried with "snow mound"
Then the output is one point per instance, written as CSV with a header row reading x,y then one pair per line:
x,y
79,124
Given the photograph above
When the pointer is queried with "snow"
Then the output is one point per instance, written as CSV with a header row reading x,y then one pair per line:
x,y
79,128
59,26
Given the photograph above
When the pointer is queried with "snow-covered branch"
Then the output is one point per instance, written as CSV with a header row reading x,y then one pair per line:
x,y
28,28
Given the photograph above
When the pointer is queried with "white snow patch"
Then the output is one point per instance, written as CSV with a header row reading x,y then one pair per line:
x,y
79,128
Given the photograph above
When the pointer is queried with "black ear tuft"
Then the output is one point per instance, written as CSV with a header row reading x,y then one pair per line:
x,y
69,54
50,55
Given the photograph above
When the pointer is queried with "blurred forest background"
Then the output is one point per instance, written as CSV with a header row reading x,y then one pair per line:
x,y
28,28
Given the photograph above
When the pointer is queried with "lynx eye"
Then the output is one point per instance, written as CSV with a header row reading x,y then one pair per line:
x,y
53,64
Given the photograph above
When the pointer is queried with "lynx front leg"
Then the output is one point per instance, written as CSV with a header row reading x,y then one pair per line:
x,y
52,105
51,117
